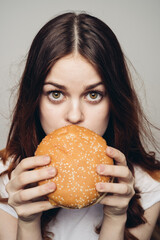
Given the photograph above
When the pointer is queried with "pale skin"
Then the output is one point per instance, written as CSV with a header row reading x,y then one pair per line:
x,y
73,93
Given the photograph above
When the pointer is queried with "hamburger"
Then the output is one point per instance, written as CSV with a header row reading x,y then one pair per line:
x,y
75,152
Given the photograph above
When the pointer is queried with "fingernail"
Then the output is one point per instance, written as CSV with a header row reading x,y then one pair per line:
x,y
51,171
51,186
100,168
109,150
99,186
47,159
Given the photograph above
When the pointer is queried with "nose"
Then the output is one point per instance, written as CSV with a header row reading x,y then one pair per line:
x,y
74,113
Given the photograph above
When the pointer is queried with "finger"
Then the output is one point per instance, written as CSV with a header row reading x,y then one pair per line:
x,y
118,202
33,193
115,171
30,163
29,177
33,208
118,188
118,156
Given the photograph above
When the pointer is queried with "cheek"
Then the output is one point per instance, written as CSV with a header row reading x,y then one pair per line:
x,y
102,123
49,116
102,112
98,118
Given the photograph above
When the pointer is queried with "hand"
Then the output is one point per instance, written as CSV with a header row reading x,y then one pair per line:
x,y
121,191
23,197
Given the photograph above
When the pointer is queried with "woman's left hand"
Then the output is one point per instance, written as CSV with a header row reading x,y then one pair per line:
x,y
119,193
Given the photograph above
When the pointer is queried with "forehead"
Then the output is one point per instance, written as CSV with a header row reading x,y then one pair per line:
x,y
73,69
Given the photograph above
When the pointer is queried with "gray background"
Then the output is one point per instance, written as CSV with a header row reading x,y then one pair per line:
x,y
136,24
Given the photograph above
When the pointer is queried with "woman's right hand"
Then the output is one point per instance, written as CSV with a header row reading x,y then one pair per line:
x,y
28,201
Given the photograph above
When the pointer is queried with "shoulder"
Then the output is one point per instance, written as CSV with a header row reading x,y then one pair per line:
x,y
149,188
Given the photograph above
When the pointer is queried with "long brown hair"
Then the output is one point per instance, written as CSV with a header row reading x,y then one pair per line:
x,y
95,41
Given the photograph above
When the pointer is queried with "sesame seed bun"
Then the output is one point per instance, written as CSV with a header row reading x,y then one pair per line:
x,y
75,152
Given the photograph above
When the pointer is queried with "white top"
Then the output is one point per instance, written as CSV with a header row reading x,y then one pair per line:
x,y
80,223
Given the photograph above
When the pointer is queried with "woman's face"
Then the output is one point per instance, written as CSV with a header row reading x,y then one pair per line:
x,y
73,93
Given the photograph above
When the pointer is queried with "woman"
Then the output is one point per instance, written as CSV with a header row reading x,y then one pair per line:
x,y
76,74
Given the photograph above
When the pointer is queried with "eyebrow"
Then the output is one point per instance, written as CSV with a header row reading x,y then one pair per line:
x,y
62,87
56,85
